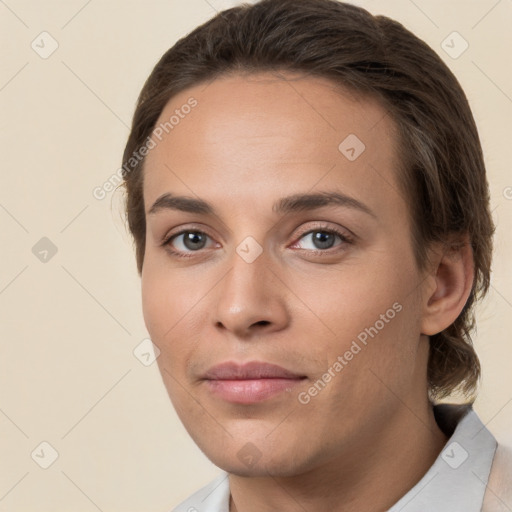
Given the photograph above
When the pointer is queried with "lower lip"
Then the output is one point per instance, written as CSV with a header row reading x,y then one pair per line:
x,y
250,391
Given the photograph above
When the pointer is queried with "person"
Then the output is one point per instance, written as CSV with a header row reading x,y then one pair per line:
x,y
308,199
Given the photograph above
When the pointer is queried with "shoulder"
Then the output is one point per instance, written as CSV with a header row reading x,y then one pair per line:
x,y
213,497
498,495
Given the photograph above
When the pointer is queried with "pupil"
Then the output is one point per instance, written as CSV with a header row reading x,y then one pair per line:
x,y
323,240
192,238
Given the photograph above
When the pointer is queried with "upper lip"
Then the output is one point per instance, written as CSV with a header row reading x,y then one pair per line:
x,y
249,371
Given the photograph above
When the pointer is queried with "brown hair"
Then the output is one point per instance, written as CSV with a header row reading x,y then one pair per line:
x,y
442,169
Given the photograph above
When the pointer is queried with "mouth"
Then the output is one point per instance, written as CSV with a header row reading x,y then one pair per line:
x,y
251,382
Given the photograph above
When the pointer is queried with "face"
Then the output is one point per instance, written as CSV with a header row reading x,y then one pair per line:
x,y
279,280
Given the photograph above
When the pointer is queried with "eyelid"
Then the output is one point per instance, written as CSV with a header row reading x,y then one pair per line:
x,y
346,236
343,234
184,229
323,226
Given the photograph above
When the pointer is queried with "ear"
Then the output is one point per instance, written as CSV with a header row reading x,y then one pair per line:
x,y
447,287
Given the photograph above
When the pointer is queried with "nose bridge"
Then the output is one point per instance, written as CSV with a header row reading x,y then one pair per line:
x,y
248,278
249,293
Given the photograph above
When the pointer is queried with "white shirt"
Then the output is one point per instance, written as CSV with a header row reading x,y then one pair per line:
x,y
457,481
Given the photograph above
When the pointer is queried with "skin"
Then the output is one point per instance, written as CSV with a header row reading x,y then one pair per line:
x,y
369,435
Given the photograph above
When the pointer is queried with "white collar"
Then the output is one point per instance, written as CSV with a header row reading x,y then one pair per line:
x,y
456,481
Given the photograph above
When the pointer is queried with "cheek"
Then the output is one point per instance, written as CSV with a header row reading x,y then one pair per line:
x,y
352,298
154,303
368,317
171,309
160,306
168,296
361,381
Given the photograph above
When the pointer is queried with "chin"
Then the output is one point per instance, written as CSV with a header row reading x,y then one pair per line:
x,y
253,459
259,469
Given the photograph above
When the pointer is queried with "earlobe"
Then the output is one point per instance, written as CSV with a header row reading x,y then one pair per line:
x,y
450,285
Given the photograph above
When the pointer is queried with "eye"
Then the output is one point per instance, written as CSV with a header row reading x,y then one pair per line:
x,y
321,239
186,241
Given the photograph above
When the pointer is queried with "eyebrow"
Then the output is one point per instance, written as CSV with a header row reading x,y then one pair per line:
x,y
288,204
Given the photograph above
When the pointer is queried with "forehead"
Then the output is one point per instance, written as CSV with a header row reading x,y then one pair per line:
x,y
248,134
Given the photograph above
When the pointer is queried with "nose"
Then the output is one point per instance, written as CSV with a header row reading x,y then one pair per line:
x,y
251,298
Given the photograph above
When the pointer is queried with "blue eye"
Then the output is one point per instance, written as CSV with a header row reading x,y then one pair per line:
x,y
323,239
187,242
191,241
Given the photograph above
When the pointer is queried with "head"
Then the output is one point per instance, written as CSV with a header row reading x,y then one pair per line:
x,y
265,127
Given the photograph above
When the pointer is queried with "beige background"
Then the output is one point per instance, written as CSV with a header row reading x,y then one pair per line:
x,y
69,325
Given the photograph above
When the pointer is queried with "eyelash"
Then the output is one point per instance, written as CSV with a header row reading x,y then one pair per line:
x,y
323,229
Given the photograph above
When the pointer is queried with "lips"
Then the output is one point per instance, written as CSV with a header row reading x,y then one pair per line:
x,y
251,382
252,370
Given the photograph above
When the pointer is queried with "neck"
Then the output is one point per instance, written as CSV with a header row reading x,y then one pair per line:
x,y
377,472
